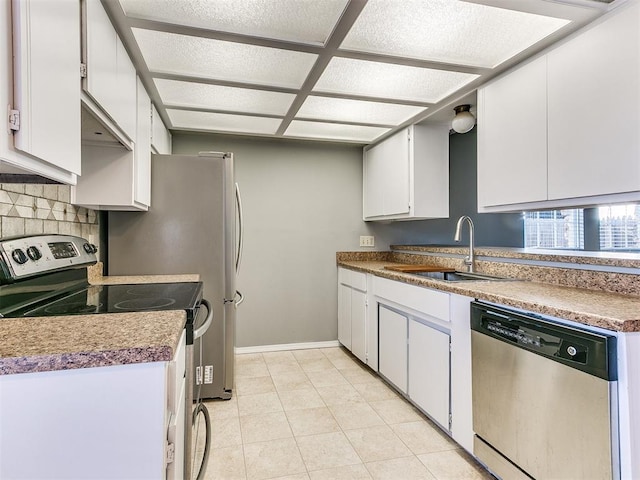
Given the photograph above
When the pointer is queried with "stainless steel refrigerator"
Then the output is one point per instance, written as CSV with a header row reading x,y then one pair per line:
x,y
194,225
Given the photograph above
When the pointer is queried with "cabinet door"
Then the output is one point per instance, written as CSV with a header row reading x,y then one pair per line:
x,y
397,181
512,137
111,76
142,151
101,56
429,371
125,108
392,353
594,120
373,181
386,177
344,315
358,319
46,43
160,136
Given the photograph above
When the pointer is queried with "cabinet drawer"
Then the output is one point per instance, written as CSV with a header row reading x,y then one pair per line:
x,y
424,300
357,280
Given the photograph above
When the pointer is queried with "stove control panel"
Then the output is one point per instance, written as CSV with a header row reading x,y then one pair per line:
x,y
24,257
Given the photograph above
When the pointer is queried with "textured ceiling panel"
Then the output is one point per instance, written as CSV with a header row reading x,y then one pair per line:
x,y
302,21
447,31
333,131
338,109
207,58
223,122
216,97
341,70
385,80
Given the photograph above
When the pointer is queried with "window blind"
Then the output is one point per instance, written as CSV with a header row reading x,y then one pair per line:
x,y
619,227
554,229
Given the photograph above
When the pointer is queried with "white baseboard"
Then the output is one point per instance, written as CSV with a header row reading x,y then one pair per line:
x,y
286,346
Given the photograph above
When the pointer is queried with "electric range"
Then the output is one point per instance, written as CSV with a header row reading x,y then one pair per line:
x,y
46,275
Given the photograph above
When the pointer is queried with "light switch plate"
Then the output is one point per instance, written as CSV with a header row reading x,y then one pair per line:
x,y
366,241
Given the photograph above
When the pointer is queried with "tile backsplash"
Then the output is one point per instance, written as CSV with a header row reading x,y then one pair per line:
x,y
28,209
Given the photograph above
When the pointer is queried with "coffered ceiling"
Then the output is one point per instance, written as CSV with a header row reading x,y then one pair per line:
x,y
333,70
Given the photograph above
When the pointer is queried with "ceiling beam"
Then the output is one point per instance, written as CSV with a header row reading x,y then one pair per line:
x,y
348,18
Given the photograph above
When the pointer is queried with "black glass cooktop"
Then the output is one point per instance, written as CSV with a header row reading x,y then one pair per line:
x,y
120,298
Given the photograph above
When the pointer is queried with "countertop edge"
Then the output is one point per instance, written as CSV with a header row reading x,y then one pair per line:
x,y
78,360
486,291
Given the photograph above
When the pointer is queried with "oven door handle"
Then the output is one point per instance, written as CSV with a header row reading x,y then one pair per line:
x,y
198,332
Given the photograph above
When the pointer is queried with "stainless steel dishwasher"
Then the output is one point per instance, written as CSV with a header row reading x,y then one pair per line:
x,y
544,397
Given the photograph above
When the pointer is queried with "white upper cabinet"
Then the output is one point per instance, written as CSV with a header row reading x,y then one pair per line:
x,y
406,176
512,137
142,150
40,80
594,122
562,131
111,77
160,136
115,177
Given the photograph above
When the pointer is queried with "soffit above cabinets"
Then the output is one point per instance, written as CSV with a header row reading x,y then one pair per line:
x,y
333,70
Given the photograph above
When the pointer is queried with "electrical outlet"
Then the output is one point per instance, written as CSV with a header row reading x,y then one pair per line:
x,y
366,241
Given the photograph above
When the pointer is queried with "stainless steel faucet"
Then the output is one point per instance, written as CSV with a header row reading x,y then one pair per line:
x,y
469,259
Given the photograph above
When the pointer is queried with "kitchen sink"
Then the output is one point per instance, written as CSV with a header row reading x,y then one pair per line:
x,y
449,276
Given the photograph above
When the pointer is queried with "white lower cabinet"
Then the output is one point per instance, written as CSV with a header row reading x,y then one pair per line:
x,y
344,315
352,312
424,339
429,371
358,324
392,347
113,422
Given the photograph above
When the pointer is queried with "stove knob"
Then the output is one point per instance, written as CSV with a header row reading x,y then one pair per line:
x,y
90,248
34,253
18,256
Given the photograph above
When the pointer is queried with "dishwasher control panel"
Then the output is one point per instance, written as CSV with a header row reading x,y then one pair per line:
x,y
587,351
545,342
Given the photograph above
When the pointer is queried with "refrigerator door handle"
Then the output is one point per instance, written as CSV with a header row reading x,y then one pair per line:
x,y
198,332
240,300
240,246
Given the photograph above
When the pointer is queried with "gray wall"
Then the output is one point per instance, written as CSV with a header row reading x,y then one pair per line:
x,y
491,229
302,203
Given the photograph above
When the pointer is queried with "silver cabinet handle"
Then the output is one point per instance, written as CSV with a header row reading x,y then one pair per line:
x,y
240,246
198,332
240,300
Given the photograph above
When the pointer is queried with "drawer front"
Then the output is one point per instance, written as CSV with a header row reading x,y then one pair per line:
x,y
350,278
424,300
359,281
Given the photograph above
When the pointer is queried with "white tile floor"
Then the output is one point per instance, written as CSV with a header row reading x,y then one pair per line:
x,y
319,414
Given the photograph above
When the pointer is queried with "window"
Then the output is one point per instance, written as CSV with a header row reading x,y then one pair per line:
x,y
619,227
554,229
612,227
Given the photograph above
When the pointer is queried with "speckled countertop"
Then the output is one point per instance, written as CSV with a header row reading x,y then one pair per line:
x,y
42,344
590,307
